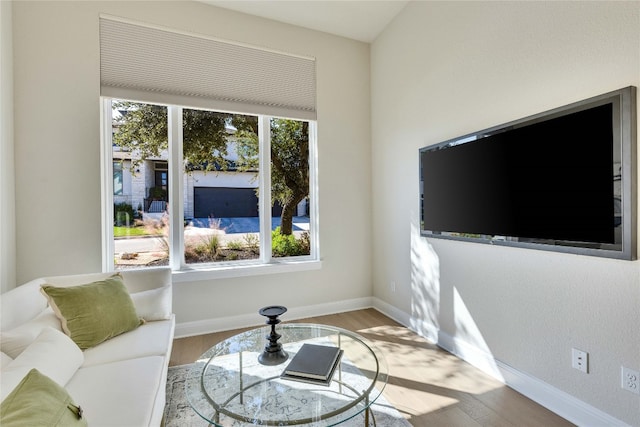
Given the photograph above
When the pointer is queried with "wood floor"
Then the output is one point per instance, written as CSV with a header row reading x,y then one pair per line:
x,y
429,386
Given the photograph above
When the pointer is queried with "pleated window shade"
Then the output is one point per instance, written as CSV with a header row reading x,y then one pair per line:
x,y
154,65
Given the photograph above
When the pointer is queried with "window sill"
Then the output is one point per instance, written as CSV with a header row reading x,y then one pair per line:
x,y
226,272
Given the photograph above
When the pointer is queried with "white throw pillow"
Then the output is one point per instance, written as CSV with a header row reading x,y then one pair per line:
x,y
52,353
5,359
14,341
154,304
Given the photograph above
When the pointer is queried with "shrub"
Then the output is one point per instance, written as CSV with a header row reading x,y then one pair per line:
x,y
158,193
287,245
190,253
212,244
207,250
305,243
123,214
158,227
252,242
235,245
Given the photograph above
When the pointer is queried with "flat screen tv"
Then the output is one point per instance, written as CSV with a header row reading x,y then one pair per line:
x,y
563,180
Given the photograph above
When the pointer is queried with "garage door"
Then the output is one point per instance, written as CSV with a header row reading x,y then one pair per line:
x,y
224,202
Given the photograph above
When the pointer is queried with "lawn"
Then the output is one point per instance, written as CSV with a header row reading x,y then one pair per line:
x,y
129,231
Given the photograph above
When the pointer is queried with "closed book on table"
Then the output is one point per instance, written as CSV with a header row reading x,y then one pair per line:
x,y
314,361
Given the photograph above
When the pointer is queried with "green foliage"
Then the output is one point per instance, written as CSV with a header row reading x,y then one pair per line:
x,y
252,242
305,242
142,129
206,137
290,160
205,251
123,214
247,143
212,244
129,231
283,245
158,193
236,245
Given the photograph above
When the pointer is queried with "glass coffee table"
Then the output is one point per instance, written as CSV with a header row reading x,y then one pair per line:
x,y
227,386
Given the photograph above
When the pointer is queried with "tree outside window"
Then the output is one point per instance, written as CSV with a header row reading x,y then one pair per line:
x,y
221,179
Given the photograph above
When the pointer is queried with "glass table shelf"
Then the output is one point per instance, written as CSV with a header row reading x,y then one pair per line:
x,y
227,386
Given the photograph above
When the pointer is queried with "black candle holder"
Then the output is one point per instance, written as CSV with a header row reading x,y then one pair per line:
x,y
273,353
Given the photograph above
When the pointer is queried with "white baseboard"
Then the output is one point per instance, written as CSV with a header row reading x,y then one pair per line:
x,y
200,327
421,328
563,404
391,311
557,401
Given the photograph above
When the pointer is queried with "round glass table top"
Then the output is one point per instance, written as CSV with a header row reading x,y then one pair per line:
x,y
227,386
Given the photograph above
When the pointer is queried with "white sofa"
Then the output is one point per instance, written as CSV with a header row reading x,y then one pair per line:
x,y
120,382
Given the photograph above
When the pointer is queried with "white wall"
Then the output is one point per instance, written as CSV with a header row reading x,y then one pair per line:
x,y
57,132
7,185
444,69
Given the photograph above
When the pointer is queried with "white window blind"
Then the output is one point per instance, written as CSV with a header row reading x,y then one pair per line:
x,y
150,64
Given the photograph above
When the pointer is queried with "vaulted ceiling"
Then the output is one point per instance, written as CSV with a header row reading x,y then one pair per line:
x,y
361,20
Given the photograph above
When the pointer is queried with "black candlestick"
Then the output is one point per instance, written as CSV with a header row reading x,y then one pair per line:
x,y
273,353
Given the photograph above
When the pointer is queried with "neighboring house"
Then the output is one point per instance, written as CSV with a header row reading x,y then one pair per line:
x,y
144,187
207,194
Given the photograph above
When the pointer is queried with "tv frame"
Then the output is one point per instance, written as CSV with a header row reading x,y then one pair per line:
x,y
625,141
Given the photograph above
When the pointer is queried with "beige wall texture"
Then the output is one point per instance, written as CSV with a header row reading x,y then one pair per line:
x,y
440,70
445,69
57,144
7,184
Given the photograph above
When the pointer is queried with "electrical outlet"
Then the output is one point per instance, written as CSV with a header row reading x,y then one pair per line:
x,y
580,360
392,286
631,380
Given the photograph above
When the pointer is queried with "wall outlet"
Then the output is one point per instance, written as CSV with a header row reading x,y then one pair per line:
x,y
580,360
392,286
631,380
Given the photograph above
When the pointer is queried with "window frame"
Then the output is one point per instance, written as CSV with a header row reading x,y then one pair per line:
x,y
182,272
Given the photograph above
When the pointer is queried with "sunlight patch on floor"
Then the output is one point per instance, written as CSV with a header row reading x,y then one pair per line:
x,y
426,401
418,354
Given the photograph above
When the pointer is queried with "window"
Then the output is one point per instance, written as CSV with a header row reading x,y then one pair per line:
x,y
216,141
210,190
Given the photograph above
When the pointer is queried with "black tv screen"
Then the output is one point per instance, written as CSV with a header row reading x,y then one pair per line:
x,y
561,180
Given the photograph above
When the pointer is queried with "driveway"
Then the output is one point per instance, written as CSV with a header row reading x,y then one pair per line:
x,y
247,225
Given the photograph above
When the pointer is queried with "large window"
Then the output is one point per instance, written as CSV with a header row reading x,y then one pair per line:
x,y
209,190
206,190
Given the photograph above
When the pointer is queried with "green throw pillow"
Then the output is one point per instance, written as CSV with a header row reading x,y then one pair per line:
x,y
39,401
95,312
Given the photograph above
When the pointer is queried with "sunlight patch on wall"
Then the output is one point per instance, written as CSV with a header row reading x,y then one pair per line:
x,y
425,285
468,341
